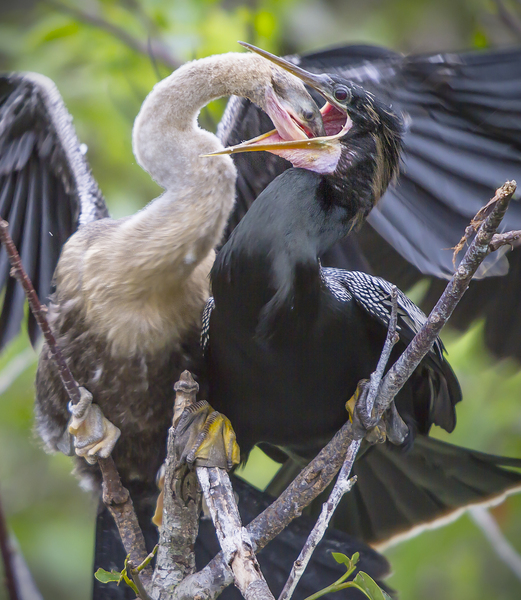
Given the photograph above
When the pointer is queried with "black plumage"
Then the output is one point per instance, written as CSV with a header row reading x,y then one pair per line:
x,y
45,183
302,333
48,158
462,141
288,341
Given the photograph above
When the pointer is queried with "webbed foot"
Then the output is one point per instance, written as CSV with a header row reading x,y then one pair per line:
x,y
206,438
203,437
94,435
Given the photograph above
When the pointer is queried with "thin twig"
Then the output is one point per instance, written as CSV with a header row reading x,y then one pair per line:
x,y
341,487
502,547
344,483
238,549
159,50
7,557
143,594
39,312
115,496
505,239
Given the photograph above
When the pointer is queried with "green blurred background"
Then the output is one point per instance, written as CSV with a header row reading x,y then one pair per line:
x,y
103,81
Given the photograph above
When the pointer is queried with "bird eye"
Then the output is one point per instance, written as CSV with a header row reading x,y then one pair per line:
x,y
342,93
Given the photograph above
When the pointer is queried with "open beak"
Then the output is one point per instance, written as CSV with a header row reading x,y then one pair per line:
x,y
272,141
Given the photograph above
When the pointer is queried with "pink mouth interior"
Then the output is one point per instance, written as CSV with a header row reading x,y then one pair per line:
x,y
333,119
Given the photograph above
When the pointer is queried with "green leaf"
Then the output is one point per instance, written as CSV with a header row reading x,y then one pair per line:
x,y
341,558
106,576
370,587
345,560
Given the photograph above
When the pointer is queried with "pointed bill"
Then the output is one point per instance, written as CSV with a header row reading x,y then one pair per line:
x,y
320,83
262,142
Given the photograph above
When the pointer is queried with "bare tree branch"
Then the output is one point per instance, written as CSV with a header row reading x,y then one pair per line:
x,y
313,479
235,541
119,503
457,286
343,483
115,496
318,474
179,526
159,50
39,312
181,506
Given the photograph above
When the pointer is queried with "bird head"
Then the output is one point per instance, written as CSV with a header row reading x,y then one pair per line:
x,y
288,104
362,142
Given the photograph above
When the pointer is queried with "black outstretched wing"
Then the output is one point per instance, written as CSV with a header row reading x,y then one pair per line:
x,y
400,493
46,188
463,140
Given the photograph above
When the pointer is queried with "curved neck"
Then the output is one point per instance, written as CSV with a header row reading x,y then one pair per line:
x,y
167,140
157,261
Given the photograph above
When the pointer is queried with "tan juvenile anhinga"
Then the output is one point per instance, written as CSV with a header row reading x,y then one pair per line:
x,y
129,292
287,341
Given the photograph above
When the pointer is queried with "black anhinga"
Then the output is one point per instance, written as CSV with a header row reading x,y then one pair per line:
x,y
462,141
287,340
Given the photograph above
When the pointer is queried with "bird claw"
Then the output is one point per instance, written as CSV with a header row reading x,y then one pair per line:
x,y
364,423
205,437
375,431
94,435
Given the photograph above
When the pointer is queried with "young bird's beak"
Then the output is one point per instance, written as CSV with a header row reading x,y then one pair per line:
x,y
320,82
272,141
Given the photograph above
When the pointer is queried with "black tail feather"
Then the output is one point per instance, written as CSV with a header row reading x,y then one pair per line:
x,y
399,494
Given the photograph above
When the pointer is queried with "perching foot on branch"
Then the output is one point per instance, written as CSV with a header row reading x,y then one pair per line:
x,y
374,430
94,435
205,438
362,422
